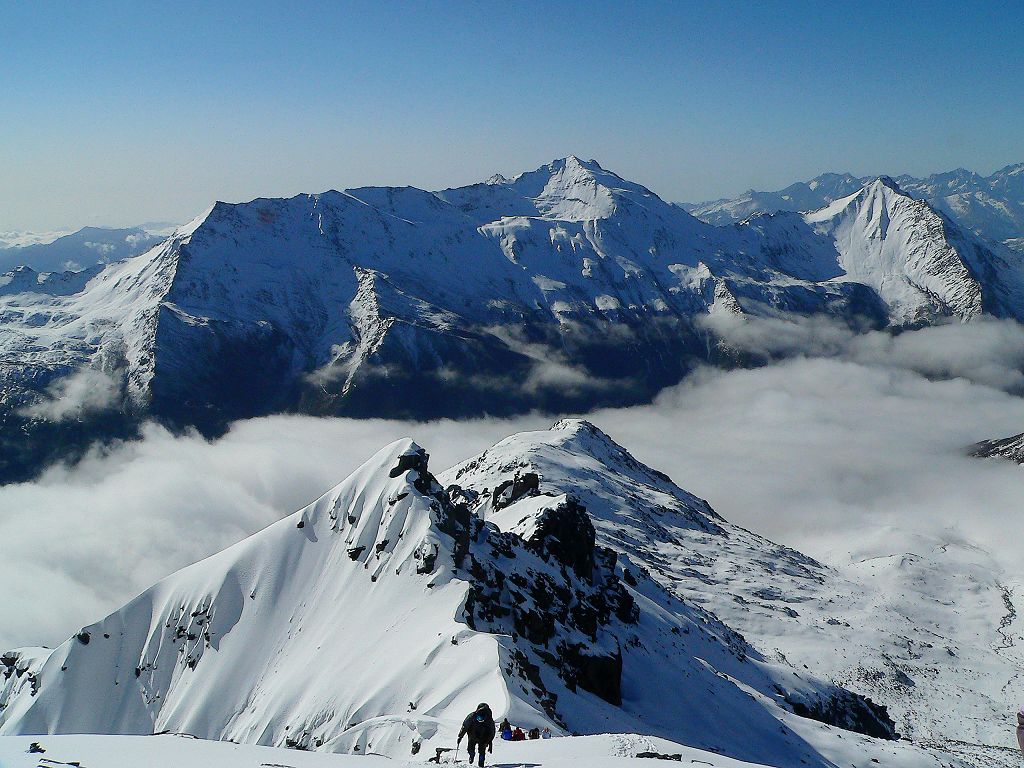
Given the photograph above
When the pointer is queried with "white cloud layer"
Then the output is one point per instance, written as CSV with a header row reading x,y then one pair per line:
x,y
84,392
812,452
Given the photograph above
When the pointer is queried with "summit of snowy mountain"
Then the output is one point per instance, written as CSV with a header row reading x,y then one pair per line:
x,y
569,189
900,247
801,196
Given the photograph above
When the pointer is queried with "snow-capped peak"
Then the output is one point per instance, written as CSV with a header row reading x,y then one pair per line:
x,y
902,249
573,189
888,182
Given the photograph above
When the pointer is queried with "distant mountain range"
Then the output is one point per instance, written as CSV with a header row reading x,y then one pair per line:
x,y
990,206
74,251
568,584
562,289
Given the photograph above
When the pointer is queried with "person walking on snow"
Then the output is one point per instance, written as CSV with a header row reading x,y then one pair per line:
x,y
1020,728
478,727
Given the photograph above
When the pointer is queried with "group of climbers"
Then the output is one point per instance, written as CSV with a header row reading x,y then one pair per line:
x,y
479,729
510,733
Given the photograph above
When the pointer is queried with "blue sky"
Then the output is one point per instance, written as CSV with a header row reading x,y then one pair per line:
x,y
117,113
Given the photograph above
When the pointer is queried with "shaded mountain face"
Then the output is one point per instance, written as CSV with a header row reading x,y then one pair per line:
x,y
376,617
79,250
560,290
991,207
925,627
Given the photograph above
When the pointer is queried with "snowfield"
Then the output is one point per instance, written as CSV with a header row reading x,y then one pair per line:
x,y
604,751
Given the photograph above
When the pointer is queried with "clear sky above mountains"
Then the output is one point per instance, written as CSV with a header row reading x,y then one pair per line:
x,y
122,112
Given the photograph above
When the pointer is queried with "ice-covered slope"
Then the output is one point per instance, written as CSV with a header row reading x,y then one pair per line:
x,y
927,627
563,288
376,617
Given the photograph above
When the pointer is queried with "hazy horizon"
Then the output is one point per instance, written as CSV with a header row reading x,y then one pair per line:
x,y
124,113
164,222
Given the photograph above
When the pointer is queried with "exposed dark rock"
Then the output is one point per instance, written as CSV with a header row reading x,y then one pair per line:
x,y
849,711
566,533
509,492
537,605
601,674
1009,448
415,460
660,756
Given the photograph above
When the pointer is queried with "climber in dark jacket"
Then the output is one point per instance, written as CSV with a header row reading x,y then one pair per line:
x,y
479,727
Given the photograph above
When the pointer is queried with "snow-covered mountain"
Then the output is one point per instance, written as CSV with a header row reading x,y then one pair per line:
x,y
990,206
564,288
927,627
74,251
375,618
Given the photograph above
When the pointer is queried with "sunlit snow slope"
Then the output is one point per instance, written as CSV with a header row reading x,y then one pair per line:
x,y
927,627
376,617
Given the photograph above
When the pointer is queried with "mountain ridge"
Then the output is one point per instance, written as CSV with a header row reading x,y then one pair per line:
x,y
562,289
373,618
990,206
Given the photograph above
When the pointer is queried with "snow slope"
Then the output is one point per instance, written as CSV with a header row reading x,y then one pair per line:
x,y
605,751
376,617
929,628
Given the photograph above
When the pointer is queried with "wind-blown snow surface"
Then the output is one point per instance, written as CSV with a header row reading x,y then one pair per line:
x,y
934,634
561,289
376,617
605,751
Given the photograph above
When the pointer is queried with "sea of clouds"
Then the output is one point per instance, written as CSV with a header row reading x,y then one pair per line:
x,y
842,437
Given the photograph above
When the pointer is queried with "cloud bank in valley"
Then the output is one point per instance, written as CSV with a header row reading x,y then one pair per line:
x,y
82,393
861,433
